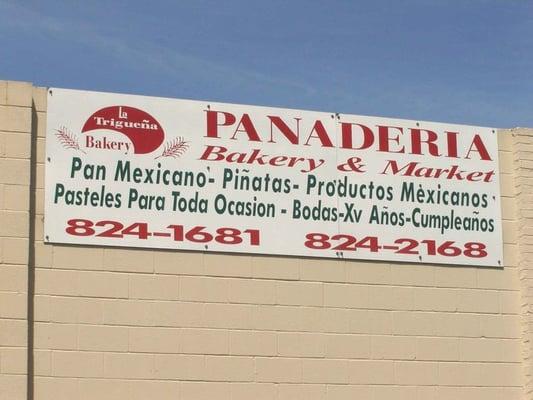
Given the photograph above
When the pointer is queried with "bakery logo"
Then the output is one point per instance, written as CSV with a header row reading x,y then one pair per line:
x,y
125,129
142,132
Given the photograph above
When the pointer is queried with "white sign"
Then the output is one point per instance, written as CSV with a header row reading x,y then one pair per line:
x,y
139,171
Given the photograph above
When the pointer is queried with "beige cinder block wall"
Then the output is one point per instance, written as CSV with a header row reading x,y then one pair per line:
x,y
108,323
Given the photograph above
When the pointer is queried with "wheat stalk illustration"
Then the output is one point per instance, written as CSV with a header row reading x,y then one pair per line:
x,y
174,148
67,139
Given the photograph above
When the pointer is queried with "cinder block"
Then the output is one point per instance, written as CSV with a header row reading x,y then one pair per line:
x,y
42,308
299,293
481,301
128,260
275,268
3,139
415,275
40,97
19,93
56,281
38,227
394,297
460,374
252,291
161,390
457,324
102,389
348,392
13,387
415,323
128,366
501,326
370,322
14,224
522,135
15,250
368,272
505,140
43,254
228,265
347,346
283,318
311,318
56,336
16,198
510,232
13,278
346,295
386,392
296,391
301,344
90,311
13,360
205,390
253,343
510,393
17,145
41,150
154,340
506,279
15,119
3,92
127,312
103,338
510,255
335,320
509,208
87,258
256,391
415,373
77,364
393,347
55,388
204,341
474,393
524,154
205,289
179,366
502,374
153,287
39,176
455,277
437,349
325,371
322,270
507,185
166,313
490,350
14,171
102,284
435,299
42,362
368,372
39,202
13,305
278,370
41,124
236,316
506,162
179,262
232,369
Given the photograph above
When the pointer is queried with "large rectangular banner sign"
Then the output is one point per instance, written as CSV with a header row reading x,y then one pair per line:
x,y
148,172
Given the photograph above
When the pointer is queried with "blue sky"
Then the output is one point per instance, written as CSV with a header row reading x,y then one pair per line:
x,y
457,61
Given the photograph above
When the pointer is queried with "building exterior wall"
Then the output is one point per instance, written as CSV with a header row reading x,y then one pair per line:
x,y
113,323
